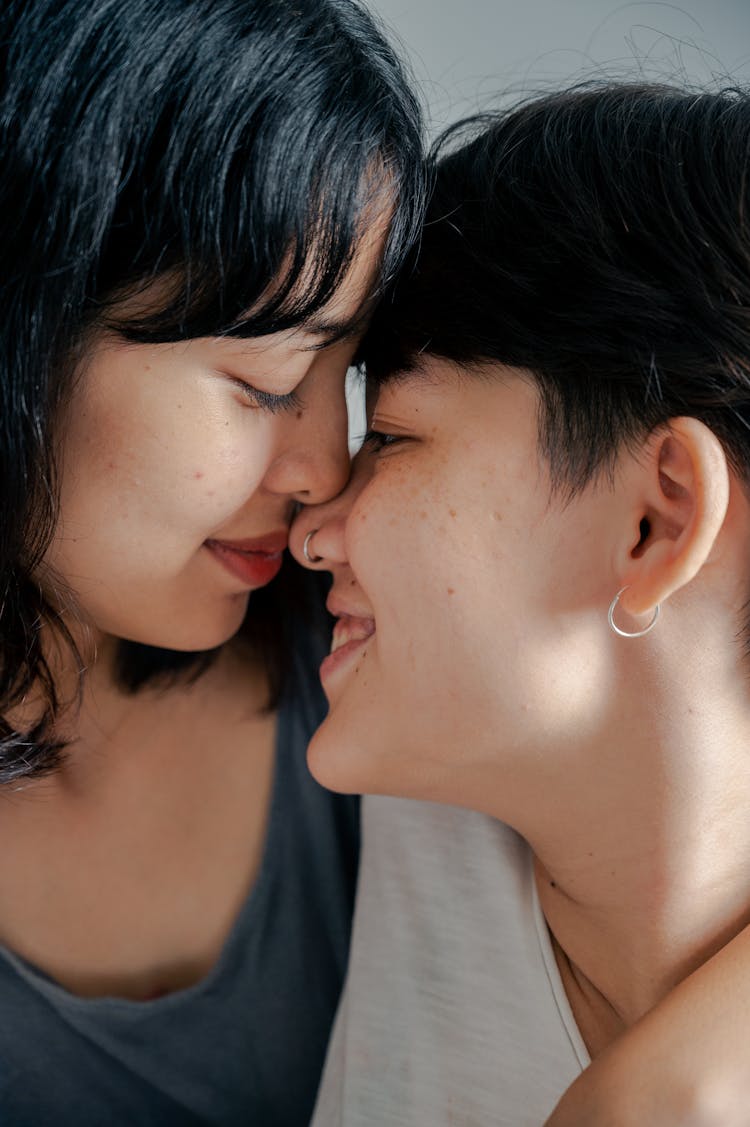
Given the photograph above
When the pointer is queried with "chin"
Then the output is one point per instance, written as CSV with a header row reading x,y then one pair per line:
x,y
339,764
330,764
189,634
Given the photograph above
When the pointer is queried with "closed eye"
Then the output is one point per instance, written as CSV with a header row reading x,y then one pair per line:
x,y
266,400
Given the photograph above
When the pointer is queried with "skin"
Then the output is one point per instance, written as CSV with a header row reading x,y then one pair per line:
x,y
683,1065
483,595
180,444
130,863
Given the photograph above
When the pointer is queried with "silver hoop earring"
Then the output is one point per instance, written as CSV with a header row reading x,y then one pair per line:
x,y
626,633
306,548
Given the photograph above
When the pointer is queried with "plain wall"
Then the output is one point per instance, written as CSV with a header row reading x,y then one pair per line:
x,y
467,54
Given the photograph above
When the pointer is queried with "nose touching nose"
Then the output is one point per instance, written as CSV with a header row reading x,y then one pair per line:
x,y
323,454
318,534
312,462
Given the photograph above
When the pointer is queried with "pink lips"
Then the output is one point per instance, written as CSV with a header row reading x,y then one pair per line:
x,y
350,634
254,562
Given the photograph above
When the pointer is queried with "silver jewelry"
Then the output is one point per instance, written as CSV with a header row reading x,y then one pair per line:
x,y
306,548
626,633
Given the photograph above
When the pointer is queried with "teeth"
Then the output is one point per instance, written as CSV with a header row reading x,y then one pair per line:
x,y
349,629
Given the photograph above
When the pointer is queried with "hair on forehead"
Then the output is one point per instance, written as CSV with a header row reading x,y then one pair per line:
x,y
171,169
597,238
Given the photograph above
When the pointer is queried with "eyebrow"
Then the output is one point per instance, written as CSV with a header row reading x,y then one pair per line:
x,y
329,331
333,331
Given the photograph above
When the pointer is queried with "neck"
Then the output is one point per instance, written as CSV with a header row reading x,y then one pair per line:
x,y
643,859
108,730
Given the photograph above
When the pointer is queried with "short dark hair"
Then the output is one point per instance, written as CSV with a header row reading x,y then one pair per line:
x,y
600,239
218,145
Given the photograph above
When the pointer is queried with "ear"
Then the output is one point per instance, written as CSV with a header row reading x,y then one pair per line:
x,y
680,492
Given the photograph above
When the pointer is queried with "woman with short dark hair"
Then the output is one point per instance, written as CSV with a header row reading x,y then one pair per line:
x,y
199,204
541,583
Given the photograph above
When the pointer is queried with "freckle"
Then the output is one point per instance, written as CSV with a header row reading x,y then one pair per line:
x,y
198,475
452,513
497,516
147,367
451,591
423,515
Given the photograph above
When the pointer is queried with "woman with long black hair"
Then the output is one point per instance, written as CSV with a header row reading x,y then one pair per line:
x,y
199,204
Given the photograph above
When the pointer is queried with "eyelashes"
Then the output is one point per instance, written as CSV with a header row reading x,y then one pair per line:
x,y
266,400
376,440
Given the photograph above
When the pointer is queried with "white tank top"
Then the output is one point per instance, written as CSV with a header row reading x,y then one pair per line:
x,y
454,1014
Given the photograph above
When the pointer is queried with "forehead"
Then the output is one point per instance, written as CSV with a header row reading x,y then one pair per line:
x,y
430,372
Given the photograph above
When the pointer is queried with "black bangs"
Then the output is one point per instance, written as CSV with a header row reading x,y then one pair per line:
x,y
248,189
219,159
238,149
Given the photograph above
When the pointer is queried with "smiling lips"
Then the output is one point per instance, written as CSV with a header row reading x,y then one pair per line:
x,y
349,633
253,562
350,629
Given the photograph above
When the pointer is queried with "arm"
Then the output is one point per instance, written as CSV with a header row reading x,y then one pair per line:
x,y
685,1064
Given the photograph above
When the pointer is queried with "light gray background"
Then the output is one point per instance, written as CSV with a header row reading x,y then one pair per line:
x,y
467,54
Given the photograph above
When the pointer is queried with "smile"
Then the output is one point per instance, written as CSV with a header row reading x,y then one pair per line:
x,y
349,629
349,637
253,566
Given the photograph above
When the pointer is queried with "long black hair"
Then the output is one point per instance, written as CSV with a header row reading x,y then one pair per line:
x,y
228,148
600,239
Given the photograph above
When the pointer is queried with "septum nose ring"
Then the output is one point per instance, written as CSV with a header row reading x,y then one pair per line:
x,y
306,548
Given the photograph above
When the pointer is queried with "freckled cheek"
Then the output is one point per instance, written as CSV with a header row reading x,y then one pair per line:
x,y
371,540
210,474
393,551
233,474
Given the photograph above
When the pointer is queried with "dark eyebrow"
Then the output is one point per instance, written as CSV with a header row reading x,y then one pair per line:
x,y
327,328
329,331
335,331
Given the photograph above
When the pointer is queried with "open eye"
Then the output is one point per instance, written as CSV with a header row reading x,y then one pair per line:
x,y
376,440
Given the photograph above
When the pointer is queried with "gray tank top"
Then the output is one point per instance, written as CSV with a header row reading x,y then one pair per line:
x,y
245,1046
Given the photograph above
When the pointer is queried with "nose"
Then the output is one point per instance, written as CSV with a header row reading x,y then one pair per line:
x,y
313,464
318,536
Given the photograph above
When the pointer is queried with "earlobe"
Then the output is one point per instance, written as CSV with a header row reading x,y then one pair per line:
x,y
683,487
